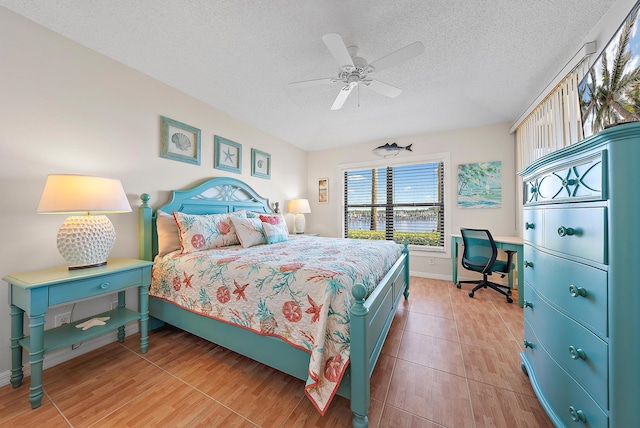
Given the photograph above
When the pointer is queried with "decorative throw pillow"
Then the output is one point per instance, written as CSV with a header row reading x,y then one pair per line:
x,y
203,232
275,228
249,231
168,234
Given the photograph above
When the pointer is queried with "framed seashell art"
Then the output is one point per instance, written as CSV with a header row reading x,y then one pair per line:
x,y
260,164
227,155
179,141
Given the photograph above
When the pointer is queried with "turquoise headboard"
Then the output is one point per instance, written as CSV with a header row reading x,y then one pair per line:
x,y
214,196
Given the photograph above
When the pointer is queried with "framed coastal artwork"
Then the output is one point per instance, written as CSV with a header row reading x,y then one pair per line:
x,y
227,155
480,185
260,164
323,190
179,141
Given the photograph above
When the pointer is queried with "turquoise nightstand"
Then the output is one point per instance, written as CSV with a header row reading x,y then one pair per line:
x,y
34,292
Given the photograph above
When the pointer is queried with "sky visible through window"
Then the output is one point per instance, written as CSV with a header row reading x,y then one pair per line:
x,y
412,184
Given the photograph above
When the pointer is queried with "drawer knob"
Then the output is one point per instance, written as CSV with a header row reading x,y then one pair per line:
x,y
528,226
577,291
104,285
565,231
577,353
528,344
528,264
577,415
527,304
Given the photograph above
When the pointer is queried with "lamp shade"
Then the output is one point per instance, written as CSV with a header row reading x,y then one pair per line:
x,y
299,206
72,194
84,240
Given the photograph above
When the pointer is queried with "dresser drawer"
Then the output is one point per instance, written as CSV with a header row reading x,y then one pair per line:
x,y
563,396
577,289
580,352
92,287
574,181
579,232
533,226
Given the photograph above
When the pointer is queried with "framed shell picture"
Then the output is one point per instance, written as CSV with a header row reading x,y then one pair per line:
x,y
179,141
323,190
260,164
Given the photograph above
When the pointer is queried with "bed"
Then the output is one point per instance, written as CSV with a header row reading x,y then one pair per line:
x,y
369,314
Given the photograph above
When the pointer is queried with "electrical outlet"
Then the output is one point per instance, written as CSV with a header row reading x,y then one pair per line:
x,y
62,319
432,261
114,304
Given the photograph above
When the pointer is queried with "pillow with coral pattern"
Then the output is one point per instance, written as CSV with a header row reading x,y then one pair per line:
x,y
206,231
275,228
249,231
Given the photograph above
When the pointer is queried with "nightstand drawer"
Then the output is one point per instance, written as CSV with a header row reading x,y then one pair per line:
x,y
561,392
580,352
92,287
579,232
575,288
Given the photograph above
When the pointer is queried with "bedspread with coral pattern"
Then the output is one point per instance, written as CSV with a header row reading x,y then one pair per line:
x,y
298,290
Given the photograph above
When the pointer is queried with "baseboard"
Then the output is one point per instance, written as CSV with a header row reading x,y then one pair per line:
x,y
431,275
60,356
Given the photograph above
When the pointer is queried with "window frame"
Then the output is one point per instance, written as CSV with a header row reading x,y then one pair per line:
x,y
443,157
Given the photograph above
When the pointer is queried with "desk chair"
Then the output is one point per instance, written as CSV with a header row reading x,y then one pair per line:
x,y
481,255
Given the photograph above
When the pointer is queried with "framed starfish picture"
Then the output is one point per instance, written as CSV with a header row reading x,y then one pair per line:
x,y
227,155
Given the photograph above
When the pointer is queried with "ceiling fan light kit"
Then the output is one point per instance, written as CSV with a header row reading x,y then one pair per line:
x,y
355,70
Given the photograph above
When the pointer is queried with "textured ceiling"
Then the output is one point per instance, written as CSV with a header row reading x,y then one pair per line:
x,y
484,61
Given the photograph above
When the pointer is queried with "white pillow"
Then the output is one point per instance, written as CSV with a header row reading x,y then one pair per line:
x,y
168,233
206,231
249,231
275,228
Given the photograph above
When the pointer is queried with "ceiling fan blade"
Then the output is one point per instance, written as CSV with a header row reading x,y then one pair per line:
x,y
383,88
343,95
394,58
314,82
338,49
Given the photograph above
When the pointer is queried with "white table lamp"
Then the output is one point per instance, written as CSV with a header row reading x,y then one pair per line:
x,y
84,240
299,207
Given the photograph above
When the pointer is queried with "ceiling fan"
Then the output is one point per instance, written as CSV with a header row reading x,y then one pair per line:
x,y
355,70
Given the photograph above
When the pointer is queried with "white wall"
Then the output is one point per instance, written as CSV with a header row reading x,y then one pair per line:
x,y
67,109
489,143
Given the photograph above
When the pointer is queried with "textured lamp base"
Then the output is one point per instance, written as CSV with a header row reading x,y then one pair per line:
x,y
85,241
299,223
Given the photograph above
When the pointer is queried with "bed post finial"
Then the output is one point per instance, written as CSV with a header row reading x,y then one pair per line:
x,y
144,228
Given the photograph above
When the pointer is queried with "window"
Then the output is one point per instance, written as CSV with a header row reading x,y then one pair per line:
x,y
396,202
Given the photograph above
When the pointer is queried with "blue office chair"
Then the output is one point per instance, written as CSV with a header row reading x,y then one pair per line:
x,y
481,255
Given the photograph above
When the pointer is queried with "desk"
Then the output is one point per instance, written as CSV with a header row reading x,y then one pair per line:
x,y
513,243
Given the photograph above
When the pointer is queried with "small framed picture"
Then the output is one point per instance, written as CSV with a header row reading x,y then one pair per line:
x,y
260,164
179,141
227,155
323,190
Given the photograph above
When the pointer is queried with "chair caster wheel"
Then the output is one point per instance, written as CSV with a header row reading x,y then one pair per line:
x,y
459,285
471,294
509,300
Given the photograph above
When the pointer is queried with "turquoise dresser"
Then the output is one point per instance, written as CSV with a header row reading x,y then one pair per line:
x,y
582,274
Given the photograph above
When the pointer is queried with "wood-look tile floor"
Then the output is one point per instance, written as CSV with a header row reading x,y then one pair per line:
x,y
449,361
